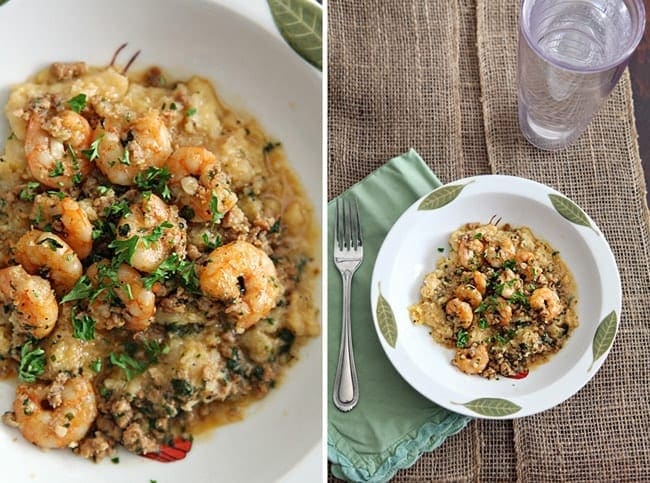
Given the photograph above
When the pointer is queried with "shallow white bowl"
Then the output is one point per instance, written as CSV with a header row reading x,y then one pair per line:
x,y
252,70
410,251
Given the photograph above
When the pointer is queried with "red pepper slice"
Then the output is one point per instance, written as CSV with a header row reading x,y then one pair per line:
x,y
519,375
177,451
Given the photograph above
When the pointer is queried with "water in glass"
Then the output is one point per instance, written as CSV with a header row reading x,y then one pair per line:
x,y
570,58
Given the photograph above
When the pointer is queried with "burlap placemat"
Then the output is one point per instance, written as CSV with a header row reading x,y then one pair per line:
x,y
440,76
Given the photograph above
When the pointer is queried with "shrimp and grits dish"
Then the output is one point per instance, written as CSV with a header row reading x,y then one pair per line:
x,y
158,259
503,299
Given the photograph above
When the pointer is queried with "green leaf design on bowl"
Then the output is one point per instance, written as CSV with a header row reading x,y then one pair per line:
x,y
301,24
604,336
386,320
441,196
491,406
569,210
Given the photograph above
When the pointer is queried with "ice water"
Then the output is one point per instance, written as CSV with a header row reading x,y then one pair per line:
x,y
569,61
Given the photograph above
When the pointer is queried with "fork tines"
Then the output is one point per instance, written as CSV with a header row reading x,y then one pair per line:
x,y
347,230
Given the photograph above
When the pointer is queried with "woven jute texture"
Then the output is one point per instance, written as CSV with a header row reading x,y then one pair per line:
x,y
440,76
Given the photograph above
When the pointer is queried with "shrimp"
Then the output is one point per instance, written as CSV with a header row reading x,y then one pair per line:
x,y
53,148
49,255
510,283
525,262
65,217
547,302
480,281
29,300
499,250
469,249
472,360
199,183
124,153
136,305
470,294
55,415
159,230
462,311
245,276
501,313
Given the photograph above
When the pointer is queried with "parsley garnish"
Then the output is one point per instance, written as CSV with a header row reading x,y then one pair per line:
x,y
214,208
57,170
156,233
119,209
28,192
125,159
32,363
483,323
276,227
124,249
93,152
169,267
172,106
511,264
519,298
154,350
81,290
83,327
211,244
96,365
77,103
51,242
191,111
182,387
132,367
461,338
154,179
270,146
478,236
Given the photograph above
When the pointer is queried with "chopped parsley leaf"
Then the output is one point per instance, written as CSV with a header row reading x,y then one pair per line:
x,y
28,193
132,367
125,159
124,249
83,327
276,227
191,111
93,152
156,233
81,290
214,208
461,338
77,103
96,365
155,179
511,264
211,244
58,170
32,363
270,146
51,242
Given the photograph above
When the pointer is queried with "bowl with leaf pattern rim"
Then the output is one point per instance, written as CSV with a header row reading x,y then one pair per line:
x,y
253,70
410,251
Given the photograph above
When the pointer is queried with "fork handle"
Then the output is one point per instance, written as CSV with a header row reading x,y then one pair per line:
x,y
346,386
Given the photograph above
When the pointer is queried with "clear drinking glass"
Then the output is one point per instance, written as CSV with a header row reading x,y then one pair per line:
x,y
571,55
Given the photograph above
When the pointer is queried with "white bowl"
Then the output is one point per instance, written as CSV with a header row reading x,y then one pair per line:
x,y
410,251
253,70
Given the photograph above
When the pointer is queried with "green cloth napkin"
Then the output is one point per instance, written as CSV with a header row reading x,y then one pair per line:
x,y
393,424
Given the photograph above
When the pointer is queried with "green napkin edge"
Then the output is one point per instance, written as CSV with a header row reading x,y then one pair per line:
x,y
423,439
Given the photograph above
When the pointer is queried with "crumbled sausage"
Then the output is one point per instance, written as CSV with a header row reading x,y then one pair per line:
x,y
61,71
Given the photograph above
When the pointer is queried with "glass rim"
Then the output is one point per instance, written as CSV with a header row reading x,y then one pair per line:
x,y
524,27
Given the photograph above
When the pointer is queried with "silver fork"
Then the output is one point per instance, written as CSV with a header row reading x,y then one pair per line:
x,y
348,255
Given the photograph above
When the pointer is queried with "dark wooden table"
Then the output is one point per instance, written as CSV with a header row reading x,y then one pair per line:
x,y
640,74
